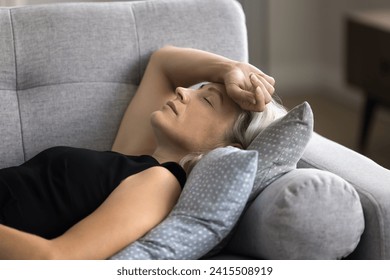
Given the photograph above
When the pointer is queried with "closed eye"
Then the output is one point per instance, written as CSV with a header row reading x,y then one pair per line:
x,y
208,101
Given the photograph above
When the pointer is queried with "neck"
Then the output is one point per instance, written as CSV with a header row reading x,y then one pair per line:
x,y
164,155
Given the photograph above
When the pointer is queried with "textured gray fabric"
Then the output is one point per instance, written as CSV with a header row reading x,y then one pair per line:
x,y
371,181
209,25
79,115
281,145
79,64
306,214
77,67
93,55
211,203
7,58
11,148
75,43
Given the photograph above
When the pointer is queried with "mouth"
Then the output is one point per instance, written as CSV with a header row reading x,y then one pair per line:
x,y
171,105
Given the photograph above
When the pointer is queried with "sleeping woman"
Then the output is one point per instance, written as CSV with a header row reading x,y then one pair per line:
x,y
72,203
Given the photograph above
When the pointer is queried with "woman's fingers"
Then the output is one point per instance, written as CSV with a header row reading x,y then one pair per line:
x,y
249,87
245,99
260,81
263,90
268,78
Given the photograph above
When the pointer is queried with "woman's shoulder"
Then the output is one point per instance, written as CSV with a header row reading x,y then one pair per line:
x,y
177,170
154,177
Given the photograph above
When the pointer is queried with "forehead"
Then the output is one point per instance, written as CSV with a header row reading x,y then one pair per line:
x,y
220,87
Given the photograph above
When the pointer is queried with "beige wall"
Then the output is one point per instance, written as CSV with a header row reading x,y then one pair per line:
x,y
257,19
306,42
301,42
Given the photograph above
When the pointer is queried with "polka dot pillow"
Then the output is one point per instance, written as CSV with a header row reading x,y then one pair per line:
x,y
281,145
212,200
218,188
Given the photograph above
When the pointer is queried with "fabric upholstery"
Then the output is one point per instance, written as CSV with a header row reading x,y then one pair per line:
x,y
59,111
305,214
91,56
11,149
72,68
188,25
7,58
92,43
370,180
281,145
208,208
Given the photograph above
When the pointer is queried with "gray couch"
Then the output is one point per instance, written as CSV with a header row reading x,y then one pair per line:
x,y
68,71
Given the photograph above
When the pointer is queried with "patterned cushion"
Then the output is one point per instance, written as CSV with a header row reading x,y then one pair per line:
x,y
211,203
281,145
218,189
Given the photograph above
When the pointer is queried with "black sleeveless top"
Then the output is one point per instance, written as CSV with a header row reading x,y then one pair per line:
x,y
62,185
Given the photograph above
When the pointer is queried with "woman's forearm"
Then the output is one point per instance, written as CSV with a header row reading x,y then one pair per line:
x,y
185,66
15,244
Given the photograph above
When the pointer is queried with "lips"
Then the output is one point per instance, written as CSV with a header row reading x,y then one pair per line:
x,y
172,106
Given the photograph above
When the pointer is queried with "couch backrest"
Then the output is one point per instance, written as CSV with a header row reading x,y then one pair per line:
x,y
68,71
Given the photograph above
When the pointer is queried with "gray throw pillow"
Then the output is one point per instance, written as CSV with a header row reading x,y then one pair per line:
x,y
305,214
281,145
212,200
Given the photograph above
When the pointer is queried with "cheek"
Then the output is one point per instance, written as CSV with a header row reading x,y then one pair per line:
x,y
209,133
192,132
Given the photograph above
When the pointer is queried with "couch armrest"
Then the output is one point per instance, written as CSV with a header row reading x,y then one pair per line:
x,y
371,181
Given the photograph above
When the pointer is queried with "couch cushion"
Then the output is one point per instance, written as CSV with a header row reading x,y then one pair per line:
x,y
79,64
211,203
7,57
11,148
83,115
281,145
305,214
74,43
196,24
369,179
78,67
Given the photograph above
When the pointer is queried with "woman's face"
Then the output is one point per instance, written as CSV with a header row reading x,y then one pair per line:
x,y
197,120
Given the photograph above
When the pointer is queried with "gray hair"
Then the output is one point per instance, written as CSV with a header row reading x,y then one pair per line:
x,y
245,129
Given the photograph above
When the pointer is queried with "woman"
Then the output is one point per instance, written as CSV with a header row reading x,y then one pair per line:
x,y
120,198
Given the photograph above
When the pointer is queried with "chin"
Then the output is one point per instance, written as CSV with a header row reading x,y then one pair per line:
x,y
160,124
157,119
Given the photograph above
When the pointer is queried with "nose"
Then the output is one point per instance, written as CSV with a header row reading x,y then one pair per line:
x,y
182,94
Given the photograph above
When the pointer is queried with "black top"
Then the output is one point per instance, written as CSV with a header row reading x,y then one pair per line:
x,y
62,185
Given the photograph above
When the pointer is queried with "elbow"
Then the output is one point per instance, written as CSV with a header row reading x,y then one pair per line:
x,y
166,48
51,251
163,51
41,249
48,252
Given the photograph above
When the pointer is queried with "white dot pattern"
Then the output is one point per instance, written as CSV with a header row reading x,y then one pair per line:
x,y
281,145
212,200
218,188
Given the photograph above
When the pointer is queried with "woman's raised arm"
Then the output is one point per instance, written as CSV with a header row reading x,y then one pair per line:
x,y
171,67
185,67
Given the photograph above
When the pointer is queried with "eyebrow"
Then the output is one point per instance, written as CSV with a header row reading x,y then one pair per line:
x,y
217,91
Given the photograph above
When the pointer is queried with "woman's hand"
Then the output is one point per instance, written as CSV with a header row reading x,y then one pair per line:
x,y
249,87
